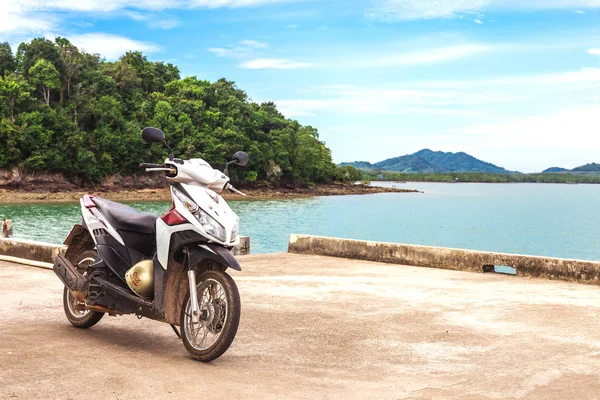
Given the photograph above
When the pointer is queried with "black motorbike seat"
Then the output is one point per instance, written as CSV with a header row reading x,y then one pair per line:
x,y
124,217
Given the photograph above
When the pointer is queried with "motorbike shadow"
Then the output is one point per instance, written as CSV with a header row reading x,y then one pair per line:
x,y
138,338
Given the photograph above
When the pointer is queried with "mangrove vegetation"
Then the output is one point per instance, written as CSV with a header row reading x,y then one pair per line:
x,y
480,177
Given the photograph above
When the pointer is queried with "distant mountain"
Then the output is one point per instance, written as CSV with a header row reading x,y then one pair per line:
x,y
593,167
554,170
458,162
432,161
588,169
409,163
359,165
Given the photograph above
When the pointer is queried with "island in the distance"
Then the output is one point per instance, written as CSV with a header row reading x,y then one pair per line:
x,y
438,166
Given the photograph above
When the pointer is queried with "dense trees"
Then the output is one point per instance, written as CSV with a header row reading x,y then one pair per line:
x,y
69,111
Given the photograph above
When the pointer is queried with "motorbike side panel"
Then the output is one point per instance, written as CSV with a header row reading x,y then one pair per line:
x,y
93,219
164,234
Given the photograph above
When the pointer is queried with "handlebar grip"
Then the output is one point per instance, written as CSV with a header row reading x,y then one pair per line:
x,y
150,165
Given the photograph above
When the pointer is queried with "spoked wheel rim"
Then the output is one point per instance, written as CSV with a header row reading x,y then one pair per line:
x,y
76,308
214,309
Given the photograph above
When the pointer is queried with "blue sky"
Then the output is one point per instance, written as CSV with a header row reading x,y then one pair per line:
x,y
516,83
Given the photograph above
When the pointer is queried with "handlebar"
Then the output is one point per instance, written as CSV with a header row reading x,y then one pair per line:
x,y
169,170
150,165
229,187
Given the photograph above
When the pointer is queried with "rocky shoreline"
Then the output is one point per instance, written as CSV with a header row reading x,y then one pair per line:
x,y
44,194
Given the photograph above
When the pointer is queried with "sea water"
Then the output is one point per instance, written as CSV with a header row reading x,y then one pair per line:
x,y
533,219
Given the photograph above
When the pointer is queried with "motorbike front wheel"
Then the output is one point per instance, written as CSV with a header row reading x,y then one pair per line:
x,y
217,324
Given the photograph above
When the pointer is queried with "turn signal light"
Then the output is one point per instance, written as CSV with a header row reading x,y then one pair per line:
x,y
173,218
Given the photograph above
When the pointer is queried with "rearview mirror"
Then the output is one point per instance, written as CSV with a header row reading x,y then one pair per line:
x,y
240,158
153,135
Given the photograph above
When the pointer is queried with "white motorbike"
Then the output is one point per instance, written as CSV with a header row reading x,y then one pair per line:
x,y
170,269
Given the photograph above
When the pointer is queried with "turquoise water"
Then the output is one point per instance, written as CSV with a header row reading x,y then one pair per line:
x,y
535,219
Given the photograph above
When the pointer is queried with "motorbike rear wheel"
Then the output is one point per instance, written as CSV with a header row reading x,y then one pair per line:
x,y
77,316
219,302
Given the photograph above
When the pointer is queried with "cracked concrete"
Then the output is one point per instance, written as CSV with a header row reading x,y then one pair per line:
x,y
319,327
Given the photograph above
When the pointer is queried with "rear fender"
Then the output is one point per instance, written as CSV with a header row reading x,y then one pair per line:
x,y
78,240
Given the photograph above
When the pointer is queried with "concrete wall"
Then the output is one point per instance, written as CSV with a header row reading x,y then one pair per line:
x,y
47,252
244,247
30,250
445,258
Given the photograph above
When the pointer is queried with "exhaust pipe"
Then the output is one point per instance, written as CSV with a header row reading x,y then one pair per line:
x,y
69,275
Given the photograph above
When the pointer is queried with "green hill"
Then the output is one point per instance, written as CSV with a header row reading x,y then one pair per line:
x,y
63,110
428,161
409,163
358,164
593,167
554,170
458,162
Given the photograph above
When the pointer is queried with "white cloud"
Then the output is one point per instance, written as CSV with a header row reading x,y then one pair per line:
x,y
407,10
29,6
478,21
115,5
569,135
165,24
25,17
580,12
583,76
254,44
525,123
220,52
594,52
467,99
234,3
110,46
153,20
273,63
429,56
244,48
13,18
352,100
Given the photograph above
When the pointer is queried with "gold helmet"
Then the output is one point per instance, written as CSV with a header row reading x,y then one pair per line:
x,y
140,278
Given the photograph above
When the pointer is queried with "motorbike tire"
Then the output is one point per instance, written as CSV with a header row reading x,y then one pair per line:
x,y
86,319
229,327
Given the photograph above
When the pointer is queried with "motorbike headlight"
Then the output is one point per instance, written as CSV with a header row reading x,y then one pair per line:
x,y
210,225
235,231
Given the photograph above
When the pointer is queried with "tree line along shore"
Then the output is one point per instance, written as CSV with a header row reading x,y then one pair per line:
x,y
163,194
477,177
64,110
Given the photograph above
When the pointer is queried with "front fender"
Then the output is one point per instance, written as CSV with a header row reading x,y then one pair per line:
x,y
171,285
210,252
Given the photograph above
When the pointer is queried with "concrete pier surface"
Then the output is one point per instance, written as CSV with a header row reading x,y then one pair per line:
x,y
318,327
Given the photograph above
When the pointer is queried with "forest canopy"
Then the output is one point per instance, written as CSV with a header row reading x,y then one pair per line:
x,y
65,110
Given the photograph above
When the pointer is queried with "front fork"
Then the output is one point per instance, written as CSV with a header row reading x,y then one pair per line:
x,y
196,313
194,296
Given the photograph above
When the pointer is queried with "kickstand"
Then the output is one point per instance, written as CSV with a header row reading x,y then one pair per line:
x,y
176,331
